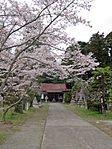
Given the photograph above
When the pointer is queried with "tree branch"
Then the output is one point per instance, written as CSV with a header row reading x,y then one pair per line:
x,y
8,108
37,38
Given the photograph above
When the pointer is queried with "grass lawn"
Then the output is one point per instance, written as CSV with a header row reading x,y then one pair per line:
x,y
89,114
15,119
93,117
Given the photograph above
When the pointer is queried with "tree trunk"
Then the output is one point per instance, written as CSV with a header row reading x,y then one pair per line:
x,y
103,109
19,107
8,108
31,103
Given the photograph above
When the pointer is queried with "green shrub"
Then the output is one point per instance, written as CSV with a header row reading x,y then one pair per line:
x,y
67,97
93,105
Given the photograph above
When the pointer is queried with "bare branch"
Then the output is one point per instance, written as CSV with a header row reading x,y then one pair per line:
x,y
9,33
28,57
37,38
31,21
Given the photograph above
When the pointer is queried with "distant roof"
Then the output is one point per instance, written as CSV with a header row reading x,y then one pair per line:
x,y
50,87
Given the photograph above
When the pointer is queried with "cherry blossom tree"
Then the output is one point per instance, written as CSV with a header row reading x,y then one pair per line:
x,y
24,27
77,63
26,69
42,23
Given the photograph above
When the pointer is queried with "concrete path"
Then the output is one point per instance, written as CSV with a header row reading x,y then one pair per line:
x,y
65,130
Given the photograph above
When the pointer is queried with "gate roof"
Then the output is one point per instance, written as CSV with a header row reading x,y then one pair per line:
x,y
50,87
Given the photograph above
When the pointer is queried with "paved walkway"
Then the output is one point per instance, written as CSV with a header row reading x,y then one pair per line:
x,y
65,130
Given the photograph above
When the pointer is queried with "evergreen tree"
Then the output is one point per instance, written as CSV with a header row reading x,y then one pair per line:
x,y
101,85
98,46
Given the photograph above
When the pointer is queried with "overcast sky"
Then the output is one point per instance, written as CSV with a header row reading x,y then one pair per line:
x,y
101,20
100,17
